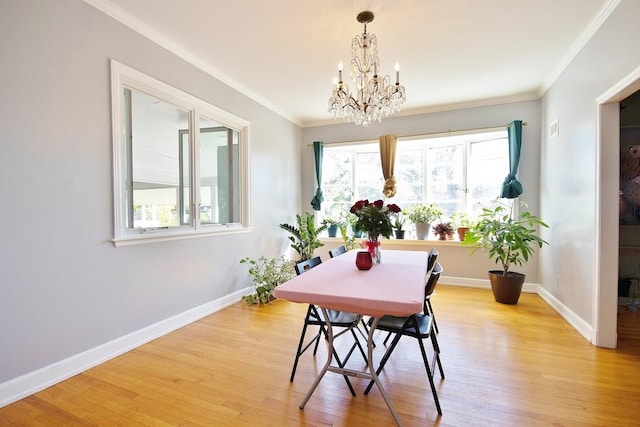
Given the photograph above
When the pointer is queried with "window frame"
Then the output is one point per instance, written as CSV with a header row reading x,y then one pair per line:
x,y
124,77
354,147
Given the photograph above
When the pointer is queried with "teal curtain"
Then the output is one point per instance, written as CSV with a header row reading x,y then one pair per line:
x,y
511,187
318,198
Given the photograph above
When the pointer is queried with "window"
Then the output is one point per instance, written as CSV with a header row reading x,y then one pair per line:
x,y
169,180
460,173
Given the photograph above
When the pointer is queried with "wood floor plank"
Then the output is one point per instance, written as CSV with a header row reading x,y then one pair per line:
x,y
519,365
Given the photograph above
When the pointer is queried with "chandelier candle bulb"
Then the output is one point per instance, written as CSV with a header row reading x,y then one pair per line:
x,y
397,73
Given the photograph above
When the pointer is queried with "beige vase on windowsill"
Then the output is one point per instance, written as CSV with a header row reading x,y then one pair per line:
x,y
422,230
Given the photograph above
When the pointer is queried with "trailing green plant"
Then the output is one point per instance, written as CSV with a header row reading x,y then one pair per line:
x,y
424,213
509,239
267,273
304,235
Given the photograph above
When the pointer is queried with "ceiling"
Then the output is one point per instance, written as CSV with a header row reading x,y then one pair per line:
x,y
452,53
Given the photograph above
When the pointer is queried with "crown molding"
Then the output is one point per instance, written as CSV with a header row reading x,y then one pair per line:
x,y
142,28
579,44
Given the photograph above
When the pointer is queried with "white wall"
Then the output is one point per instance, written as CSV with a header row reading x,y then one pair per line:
x,y
64,288
569,161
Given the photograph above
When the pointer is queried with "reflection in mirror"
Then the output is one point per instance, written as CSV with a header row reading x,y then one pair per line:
x,y
156,169
219,173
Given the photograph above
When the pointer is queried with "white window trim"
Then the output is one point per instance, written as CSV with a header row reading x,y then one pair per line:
x,y
122,77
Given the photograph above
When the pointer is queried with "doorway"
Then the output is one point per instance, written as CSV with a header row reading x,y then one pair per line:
x,y
605,309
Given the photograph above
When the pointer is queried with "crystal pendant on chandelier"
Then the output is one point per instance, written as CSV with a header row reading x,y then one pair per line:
x,y
375,97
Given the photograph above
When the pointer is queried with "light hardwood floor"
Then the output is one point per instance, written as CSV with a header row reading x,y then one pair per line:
x,y
518,365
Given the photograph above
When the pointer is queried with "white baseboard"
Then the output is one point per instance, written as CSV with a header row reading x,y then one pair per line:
x,y
25,385
583,328
530,288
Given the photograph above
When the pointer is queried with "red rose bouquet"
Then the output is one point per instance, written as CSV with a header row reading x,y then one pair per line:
x,y
375,218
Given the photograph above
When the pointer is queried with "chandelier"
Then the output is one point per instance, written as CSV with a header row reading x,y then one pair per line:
x,y
375,97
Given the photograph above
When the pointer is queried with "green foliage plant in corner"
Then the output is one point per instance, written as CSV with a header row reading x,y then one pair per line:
x,y
267,273
509,239
304,235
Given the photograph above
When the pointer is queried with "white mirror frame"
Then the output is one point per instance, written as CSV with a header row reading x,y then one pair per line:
x,y
123,77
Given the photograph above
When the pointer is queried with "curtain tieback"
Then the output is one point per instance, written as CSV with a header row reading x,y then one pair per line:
x,y
317,200
389,189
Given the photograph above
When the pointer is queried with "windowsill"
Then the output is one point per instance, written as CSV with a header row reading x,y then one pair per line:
x,y
142,239
401,242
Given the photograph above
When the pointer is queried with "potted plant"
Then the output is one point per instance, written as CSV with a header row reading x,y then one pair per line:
x,y
398,227
332,226
352,220
444,230
461,221
510,239
266,273
304,236
422,215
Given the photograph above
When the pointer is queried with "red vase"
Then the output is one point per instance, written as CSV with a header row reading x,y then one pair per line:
x,y
364,261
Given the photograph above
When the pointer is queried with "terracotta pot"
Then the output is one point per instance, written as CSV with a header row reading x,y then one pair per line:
x,y
506,289
461,232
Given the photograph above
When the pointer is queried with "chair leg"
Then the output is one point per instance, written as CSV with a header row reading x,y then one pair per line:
x,y
433,316
364,334
301,350
356,344
436,349
387,338
384,360
430,375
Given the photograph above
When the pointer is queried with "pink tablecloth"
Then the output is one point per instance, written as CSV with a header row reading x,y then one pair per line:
x,y
394,287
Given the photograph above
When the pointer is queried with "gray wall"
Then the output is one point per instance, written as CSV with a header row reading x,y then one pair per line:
x,y
569,161
64,288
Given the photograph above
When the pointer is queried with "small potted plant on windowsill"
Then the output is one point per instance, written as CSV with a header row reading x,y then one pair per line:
x,y
398,227
444,230
423,215
510,239
461,223
332,226
352,221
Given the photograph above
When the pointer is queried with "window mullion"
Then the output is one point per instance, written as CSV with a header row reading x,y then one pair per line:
x,y
194,159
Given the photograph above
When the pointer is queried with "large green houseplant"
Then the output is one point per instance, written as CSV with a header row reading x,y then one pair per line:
x,y
510,239
304,235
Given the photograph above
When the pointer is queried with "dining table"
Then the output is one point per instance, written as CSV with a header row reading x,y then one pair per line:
x,y
395,287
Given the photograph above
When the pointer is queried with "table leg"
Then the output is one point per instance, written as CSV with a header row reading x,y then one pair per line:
x,y
371,375
374,376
